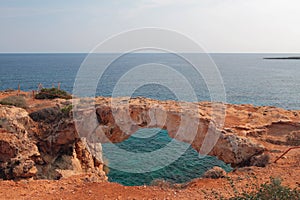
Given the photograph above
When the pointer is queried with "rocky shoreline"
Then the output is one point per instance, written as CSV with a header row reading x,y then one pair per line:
x,y
43,141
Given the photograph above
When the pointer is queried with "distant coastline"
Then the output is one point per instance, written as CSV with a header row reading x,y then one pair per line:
x,y
283,58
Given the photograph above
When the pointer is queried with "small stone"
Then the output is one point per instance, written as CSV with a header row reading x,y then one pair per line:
x,y
214,173
260,160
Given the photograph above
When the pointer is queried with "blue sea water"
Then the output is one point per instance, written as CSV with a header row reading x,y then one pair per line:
x,y
248,78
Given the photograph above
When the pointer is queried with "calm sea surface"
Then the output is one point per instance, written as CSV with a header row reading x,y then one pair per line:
x,y
248,78
188,166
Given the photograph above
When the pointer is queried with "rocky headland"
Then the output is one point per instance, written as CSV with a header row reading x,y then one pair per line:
x,y
283,58
61,140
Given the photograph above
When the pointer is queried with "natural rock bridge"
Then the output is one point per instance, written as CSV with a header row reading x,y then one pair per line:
x,y
200,124
47,141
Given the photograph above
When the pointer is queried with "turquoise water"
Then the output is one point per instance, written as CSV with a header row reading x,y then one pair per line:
x,y
187,167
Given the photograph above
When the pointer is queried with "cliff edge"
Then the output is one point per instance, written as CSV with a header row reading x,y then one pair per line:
x,y
46,140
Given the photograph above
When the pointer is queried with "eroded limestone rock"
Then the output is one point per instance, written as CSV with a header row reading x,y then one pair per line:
x,y
187,122
50,143
46,147
18,151
214,173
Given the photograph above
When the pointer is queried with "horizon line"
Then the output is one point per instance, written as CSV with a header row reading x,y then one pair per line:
x,y
150,52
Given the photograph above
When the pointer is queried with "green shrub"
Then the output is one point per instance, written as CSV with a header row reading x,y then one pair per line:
x,y
52,93
9,90
67,109
271,191
18,101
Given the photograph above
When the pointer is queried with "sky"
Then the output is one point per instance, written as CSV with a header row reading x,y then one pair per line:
x,y
217,25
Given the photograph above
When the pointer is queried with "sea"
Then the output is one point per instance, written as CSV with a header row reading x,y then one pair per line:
x,y
244,78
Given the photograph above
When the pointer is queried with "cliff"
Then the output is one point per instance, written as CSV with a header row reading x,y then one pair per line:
x,y
44,145
46,141
233,133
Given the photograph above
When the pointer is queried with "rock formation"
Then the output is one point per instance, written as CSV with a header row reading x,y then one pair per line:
x,y
49,142
214,173
44,144
233,133
193,123
19,153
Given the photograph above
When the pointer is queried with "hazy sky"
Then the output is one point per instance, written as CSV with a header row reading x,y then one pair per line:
x,y
218,25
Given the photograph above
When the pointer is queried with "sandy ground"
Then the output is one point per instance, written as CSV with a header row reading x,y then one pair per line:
x,y
80,187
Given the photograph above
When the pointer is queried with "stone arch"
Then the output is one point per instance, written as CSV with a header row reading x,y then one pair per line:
x,y
118,121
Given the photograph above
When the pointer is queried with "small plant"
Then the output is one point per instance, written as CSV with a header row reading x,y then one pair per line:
x,y
18,101
9,90
272,190
232,185
67,109
52,93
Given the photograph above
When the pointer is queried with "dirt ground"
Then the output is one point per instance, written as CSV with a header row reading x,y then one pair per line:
x,y
80,187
